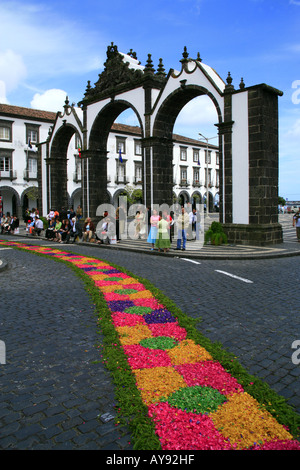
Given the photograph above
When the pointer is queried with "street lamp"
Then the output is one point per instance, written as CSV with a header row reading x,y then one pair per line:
x,y
207,195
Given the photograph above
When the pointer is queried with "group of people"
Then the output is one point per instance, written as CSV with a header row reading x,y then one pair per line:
x,y
64,227
9,224
162,228
34,224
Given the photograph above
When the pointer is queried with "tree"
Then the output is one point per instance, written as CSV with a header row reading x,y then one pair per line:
x,y
281,201
133,195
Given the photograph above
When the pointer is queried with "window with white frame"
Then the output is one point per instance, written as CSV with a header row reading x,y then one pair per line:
x,y
196,174
208,156
183,153
137,147
183,175
77,141
32,166
5,163
196,155
77,172
121,172
217,158
121,144
32,134
78,167
138,174
6,131
208,178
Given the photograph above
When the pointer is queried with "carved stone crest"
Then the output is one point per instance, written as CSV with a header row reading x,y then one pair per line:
x,y
116,76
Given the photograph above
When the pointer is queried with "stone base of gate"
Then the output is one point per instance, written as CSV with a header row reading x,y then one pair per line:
x,y
254,234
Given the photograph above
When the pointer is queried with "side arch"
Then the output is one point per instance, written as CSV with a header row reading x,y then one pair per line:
x,y
56,170
95,157
102,124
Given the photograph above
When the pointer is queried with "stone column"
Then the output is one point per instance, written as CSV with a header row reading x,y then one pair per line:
x,y
57,183
158,154
263,227
94,181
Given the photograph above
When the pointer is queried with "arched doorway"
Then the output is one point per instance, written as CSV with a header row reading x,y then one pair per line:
x,y
210,204
11,202
196,199
183,198
29,199
95,158
57,169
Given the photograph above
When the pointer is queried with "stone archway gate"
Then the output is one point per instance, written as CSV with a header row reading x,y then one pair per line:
x,y
247,129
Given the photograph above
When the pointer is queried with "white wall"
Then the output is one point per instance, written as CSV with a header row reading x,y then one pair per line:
x,y
19,148
240,159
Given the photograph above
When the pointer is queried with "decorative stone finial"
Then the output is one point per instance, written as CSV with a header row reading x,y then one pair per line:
x,y
132,54
229,85
160,69
149,65
229,79
185,55
242,84
111,50
198,57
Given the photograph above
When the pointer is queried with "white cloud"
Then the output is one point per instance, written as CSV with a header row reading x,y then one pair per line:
x,y
198,111
128,117
12,72
50,43
3,98
39,45
199,115
50,100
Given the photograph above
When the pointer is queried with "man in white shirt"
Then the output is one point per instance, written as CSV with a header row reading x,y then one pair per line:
x,y
38,226
182,222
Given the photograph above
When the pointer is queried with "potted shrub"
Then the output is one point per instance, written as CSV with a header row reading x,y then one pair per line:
x,y
215,234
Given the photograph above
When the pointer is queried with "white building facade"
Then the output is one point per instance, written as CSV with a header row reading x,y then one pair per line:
x,y
23,168
21,131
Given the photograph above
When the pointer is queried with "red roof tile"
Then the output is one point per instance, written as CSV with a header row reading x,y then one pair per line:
x,y
27,113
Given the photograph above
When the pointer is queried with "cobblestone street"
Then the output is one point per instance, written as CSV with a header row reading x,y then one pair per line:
x,y
56,392
54,387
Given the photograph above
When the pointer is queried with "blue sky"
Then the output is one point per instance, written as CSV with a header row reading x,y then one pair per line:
x,y
50,49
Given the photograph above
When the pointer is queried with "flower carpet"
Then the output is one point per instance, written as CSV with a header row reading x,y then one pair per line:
x,y
192,401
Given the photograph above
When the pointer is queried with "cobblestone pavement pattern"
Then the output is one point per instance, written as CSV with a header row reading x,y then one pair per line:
x,y
258,321
51,367
55,391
